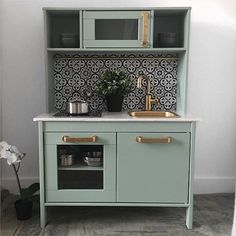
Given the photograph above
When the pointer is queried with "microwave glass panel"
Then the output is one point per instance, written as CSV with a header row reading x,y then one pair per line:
x,y
116,29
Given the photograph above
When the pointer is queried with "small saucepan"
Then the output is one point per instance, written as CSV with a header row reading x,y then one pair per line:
x,y
77,108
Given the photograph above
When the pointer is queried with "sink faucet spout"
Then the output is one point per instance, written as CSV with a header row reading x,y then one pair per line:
x,y
149,100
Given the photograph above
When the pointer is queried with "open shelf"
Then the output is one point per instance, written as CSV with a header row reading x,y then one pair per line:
x,y
171,23
81,167
62,22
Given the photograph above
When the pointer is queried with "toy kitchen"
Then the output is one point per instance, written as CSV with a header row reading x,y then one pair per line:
x,y
90,155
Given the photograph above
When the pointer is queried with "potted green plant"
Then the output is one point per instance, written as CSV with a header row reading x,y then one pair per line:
x,y
114,85
23,206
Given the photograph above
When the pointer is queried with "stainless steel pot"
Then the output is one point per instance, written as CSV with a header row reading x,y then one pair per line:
x,y
66,160
77,108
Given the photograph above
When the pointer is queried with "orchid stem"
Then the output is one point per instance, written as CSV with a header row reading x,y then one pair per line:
x,y
17,177
18,167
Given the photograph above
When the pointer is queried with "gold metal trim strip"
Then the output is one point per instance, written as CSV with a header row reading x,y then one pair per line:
x,y
145,16
68,139
141,139
117,58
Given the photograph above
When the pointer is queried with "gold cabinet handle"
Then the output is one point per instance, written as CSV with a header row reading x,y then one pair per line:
x,y
140,139
145,29
68,139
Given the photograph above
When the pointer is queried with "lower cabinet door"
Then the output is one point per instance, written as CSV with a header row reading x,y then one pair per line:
x,y
153,167
80,167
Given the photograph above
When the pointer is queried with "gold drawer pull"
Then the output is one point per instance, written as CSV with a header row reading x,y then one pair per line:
x,y
145,16
140,139
68,139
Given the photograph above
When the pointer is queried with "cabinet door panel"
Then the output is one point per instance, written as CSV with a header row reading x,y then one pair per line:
x,y
150,171
71,175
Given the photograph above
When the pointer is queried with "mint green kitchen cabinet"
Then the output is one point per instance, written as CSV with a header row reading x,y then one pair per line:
x,y
153,170
122,29
144,164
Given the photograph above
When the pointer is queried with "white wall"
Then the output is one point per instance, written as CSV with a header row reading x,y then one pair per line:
x,y
211,85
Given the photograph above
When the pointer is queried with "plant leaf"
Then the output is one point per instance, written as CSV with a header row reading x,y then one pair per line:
x,y
27,193
34,188
35,198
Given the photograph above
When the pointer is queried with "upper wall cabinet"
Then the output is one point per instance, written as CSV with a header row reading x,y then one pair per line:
x,y
63,29
69,31
122,29
163,29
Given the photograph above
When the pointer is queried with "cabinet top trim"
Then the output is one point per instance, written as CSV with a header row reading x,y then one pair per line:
x,y
116,8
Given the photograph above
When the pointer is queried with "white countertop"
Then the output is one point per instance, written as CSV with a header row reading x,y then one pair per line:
x,y
113,117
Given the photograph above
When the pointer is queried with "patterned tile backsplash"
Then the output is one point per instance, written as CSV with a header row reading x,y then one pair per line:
x,y
76,77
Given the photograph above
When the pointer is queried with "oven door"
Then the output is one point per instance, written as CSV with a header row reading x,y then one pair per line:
x,y
80,167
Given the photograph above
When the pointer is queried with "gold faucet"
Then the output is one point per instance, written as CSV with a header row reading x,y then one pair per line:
x,y
149,99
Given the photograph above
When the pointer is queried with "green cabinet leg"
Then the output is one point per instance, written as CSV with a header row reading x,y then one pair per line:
x,y
43,216
189,217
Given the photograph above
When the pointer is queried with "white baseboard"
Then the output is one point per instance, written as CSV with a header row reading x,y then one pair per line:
x,y
10,183
202,185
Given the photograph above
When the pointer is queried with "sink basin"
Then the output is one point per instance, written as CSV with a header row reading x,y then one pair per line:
x,y
161,114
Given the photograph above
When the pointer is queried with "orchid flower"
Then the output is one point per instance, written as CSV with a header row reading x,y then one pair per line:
x,y
11,153
13,157
3,147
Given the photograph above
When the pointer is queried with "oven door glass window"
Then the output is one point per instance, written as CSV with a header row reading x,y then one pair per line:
x,y
80,167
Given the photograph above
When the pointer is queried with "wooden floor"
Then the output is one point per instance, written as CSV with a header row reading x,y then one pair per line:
x,y
213,216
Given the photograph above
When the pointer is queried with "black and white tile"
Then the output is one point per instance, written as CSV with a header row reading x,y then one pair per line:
x,y
77,75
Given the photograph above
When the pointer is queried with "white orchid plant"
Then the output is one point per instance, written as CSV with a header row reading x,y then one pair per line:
x,y
14,157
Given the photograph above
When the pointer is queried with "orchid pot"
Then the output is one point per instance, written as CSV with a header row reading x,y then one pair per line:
x,y
23,209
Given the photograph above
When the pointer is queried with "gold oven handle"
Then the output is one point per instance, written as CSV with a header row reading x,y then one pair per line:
x,y
68,139
145,16
141,139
